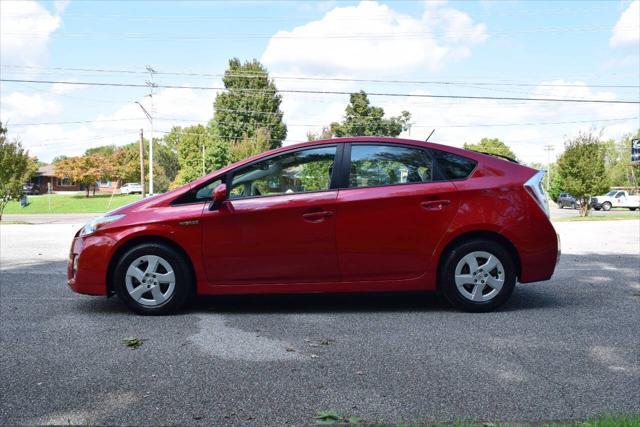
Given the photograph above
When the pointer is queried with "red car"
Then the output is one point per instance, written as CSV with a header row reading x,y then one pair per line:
x,y
343,215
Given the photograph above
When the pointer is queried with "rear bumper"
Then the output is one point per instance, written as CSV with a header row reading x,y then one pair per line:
x,y
88,263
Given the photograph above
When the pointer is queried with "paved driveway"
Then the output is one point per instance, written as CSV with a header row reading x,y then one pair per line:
x,y
562,349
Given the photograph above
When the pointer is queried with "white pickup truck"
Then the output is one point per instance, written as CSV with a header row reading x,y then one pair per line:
x,y
615,199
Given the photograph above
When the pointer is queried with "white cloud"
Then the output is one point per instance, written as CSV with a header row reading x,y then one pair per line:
x,y
18,106
61,5
26,28
62,89
627,29
378,40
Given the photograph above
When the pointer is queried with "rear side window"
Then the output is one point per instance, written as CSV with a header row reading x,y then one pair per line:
x,y
376,165
453,166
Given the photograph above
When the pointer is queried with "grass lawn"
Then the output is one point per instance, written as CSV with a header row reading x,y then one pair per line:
x,y
615,216
70,203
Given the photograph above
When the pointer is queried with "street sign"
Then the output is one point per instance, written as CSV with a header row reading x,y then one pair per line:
x,y
635,150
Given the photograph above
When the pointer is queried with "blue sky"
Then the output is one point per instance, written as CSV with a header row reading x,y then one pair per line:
x,y
513,49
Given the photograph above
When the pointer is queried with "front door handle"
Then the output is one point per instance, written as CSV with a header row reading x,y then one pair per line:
x,y
316,216
435,205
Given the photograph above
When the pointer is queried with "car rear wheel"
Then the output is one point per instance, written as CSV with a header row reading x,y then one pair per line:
x,y
477,275
153,278
606,206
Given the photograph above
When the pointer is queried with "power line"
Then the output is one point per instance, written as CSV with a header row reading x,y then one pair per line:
x,y
331,79
325,92
415,125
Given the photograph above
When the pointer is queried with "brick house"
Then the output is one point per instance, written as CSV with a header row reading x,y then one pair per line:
x,y
45,175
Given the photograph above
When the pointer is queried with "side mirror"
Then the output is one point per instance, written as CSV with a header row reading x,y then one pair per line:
x,y
220,194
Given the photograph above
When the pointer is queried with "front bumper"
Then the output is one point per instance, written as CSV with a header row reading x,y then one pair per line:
x,y
88,263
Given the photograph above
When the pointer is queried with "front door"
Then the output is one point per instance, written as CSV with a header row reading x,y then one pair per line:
x,y
278,225
393,214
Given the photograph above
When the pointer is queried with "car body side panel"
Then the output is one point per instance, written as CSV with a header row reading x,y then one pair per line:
x,y
385,233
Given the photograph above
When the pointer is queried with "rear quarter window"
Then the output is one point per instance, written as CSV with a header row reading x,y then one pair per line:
x,y
453,166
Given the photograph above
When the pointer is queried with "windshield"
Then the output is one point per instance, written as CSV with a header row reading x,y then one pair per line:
x,y
611,193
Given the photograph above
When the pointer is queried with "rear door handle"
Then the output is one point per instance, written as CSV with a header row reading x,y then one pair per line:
x,y
435,205
316,216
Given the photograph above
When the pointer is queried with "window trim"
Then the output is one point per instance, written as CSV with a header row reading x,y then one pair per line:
x,y
425,151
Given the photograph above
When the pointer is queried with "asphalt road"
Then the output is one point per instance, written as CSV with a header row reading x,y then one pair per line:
x,y
562,349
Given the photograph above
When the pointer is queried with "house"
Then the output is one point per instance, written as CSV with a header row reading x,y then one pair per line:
x,y
45,175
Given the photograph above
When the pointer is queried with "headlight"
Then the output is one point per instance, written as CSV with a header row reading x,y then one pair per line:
x,y
98,222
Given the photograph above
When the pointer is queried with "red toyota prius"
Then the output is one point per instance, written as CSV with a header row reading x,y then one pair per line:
x,y
342,215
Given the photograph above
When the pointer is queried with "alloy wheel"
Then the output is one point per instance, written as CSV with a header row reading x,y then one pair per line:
x,y
479,276
150,280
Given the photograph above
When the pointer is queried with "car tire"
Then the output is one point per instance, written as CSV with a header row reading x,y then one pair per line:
x,y
606,206
574,205
160,269
632,209
560,205
492,287
597,208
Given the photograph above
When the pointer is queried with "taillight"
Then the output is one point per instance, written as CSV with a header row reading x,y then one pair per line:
x,y
536,189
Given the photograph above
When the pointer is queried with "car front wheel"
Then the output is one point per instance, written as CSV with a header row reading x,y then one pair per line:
x,y
153,278
606,206
477,275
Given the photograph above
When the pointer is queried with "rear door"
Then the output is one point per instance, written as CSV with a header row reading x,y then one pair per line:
x,y
392,214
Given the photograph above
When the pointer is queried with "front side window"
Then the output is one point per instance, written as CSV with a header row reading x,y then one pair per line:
x,y
376,165
294,172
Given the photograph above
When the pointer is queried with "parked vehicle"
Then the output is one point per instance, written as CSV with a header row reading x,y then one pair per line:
x,y
567,200
615,199
343,215
31,189
131,188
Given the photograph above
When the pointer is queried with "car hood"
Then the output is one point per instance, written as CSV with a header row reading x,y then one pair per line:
x,y
150,201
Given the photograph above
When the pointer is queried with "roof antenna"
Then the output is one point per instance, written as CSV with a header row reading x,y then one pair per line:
x,y
427,140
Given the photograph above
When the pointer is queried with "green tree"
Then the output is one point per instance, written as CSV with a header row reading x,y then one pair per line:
x,y
56,159
325,133
555,188
85,170
618,162
491,146
16,167
105,150
363,119
250,146
581,169
191,144
251,102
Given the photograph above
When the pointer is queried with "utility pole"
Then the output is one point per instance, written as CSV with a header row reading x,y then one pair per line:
x,y
146,113
142,161
548,149
152,86
203,172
